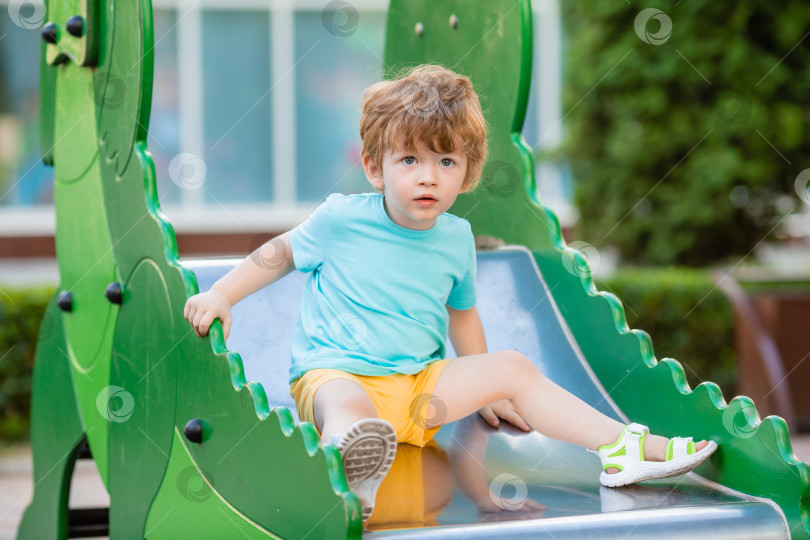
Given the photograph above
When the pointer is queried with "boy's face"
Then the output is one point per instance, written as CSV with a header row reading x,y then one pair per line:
x,y
407,176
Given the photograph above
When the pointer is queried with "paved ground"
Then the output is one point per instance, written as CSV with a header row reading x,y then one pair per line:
x,y
88,491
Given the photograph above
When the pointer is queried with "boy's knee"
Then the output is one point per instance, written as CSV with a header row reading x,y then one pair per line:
x,y
518,366
359,404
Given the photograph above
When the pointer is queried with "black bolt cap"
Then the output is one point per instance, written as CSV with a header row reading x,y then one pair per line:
x,y
75,26
65,301
193,430
49,32
114,293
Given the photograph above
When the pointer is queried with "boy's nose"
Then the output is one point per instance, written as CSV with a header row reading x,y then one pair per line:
x,y
427,178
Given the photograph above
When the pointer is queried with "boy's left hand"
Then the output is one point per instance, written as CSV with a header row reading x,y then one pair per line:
x,y
503,409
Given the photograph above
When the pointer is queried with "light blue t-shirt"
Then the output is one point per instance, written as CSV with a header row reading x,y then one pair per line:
x,y
375,302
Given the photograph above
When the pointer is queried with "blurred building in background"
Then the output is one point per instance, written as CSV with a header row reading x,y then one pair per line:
x,y
256,102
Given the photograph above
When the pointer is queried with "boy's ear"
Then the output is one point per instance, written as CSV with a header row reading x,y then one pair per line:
x,y
373,173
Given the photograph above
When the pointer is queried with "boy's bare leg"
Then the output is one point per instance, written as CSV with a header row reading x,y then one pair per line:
x,y
338,404
468,383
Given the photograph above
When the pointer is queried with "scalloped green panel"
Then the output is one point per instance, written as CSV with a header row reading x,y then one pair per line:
x,y
492,43
47,98
753,458
144,364
187,506
109,225
254,463
80,50
56,432
84,249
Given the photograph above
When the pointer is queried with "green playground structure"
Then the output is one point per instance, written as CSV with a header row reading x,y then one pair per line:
x,y
188,446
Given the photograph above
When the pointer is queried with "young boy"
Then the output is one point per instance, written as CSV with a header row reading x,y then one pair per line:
x,y
392,275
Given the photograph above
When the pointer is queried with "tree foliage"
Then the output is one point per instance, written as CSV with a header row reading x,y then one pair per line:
x,y
685,144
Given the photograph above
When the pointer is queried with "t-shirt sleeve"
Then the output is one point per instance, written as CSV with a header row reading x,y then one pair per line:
x,y
309,240
463,294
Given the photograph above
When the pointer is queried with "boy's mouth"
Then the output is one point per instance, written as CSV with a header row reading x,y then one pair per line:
x,y
425,201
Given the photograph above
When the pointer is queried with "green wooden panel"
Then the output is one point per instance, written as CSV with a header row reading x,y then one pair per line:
x,y
265,474
273,472
753,458
123,91
84,249
79,50
56,432
187,506
259,488
492,44
144,366
47,98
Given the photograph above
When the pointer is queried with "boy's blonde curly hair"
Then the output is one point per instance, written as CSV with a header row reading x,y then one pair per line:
x,y
429,103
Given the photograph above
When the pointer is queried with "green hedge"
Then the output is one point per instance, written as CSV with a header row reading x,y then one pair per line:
x,y
685,148
687,317
21,314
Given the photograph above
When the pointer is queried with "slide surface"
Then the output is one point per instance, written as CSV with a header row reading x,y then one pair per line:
x,y
548,487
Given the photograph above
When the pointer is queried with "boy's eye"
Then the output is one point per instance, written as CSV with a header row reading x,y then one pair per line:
x,y
409,160
447,162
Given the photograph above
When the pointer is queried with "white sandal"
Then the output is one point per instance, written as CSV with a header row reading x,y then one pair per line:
x,y
367,449
627,455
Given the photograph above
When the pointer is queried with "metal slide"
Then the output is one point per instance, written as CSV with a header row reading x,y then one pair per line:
x,y
431,491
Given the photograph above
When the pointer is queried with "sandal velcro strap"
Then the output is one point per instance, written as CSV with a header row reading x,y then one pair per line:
x,y
628,449
638,428
679,447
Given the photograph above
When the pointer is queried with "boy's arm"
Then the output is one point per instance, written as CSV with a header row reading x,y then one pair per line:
x,y
267,264
466,333
270,262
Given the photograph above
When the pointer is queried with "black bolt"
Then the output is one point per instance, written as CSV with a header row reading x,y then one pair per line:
x,y
49,32
65,301
75,26
114,293
193,430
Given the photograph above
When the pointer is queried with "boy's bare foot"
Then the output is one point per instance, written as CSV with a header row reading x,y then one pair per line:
x,y
655,449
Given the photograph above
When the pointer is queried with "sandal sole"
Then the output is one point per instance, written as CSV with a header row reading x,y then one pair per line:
x,y
652,470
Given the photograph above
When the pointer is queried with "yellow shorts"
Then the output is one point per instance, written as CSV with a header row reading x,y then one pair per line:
x,y
399,398
415,490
